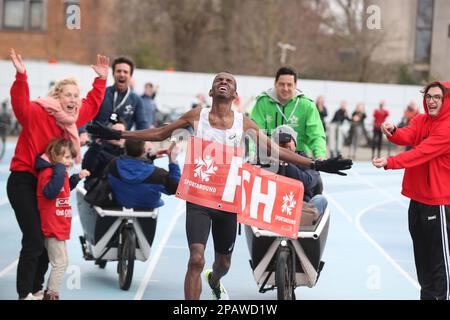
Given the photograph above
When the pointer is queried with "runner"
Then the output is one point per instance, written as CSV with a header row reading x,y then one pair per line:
x,y
219,124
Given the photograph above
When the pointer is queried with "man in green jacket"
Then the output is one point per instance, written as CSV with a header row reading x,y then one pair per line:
x,y
285,104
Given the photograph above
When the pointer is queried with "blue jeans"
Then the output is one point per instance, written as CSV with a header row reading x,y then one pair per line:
x,y
320,202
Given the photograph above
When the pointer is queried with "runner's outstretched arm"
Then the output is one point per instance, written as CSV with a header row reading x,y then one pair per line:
x,y
156,134
333,165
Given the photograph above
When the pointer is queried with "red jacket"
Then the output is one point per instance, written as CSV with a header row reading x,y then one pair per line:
x,y
38,127
56,214
427,165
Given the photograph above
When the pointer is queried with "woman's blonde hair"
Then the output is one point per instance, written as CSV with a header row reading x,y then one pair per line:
x,y
56,90
57,148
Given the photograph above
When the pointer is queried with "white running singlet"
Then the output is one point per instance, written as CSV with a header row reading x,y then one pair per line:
x,y
230,137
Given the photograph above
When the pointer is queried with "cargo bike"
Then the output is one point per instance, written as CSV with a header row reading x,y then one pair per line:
x,y
116,234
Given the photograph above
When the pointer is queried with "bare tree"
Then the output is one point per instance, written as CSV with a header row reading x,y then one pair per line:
x,y
330,36
353,42
190,21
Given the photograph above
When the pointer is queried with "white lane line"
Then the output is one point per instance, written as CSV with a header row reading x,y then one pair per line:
x,y
4,201
340,208
380,190
9,268
378,247
154,259
364,233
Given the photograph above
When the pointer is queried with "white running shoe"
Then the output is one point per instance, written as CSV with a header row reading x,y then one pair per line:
x,y
218,293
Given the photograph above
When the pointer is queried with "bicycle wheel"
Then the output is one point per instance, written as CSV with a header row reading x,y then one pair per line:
x,y
284,275
126,257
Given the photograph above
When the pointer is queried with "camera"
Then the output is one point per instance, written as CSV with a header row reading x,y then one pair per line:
x,y
150,156
284,137
114,118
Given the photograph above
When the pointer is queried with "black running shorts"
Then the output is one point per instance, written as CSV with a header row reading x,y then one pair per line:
x,y
199,220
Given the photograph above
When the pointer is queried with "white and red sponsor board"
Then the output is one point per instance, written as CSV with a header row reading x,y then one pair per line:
x,y
215,176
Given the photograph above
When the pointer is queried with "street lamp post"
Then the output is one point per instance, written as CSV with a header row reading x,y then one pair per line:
x,y
284,49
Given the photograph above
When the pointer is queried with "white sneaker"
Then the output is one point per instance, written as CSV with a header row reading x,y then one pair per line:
x,y
39,295
30,297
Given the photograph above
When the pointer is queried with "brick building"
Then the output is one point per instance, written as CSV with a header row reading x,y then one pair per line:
x,y
418,34
61,30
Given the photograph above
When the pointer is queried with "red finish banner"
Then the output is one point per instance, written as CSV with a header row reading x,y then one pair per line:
x,y
215,177
271,202
207,177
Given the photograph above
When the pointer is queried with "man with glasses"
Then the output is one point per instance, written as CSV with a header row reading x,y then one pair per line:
x,y
426,183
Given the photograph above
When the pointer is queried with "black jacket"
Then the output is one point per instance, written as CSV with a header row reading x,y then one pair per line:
x,y
307,176
98,157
